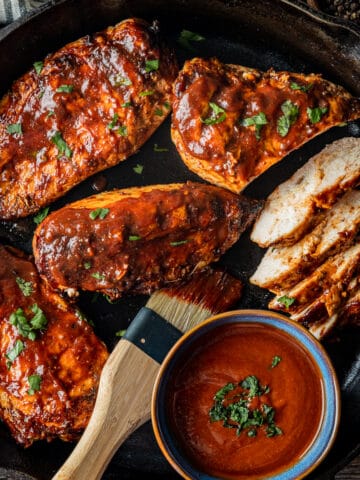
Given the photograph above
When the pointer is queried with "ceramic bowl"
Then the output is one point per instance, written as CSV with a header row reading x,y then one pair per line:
x,y
328,425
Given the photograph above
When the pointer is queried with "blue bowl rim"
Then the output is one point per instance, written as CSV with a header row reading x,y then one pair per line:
x,y
331,390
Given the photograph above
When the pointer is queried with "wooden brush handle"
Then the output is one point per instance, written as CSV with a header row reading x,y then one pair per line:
x,y
122,405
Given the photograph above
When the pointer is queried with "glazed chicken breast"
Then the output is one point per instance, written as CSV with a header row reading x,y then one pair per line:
x,y
85,108
50,360
231,123
139,239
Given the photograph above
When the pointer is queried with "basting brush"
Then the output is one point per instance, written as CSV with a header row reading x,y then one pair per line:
x,y
124,396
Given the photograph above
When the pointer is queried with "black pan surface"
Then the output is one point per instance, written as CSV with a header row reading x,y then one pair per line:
x,y
261,34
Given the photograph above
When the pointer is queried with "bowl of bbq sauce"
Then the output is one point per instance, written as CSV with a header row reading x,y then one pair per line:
x,y
246,395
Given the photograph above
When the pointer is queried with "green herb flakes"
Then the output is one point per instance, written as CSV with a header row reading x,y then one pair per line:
x,y
315,114
290,114
232,406
146,93
35,383
41,215
167,105
257,120
127,105
27,328
134,238
14,128
286,301
119,80
159,113
120,333
12,354
180,242
113,122
25,287
275,361
87,265
61,145
218,115
38,67
138,169
186,37
151,65
65,89
122,130
160,149
302,88
99,213
98,276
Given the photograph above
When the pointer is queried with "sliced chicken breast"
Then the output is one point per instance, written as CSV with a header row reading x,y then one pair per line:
x,y
283,267
289,210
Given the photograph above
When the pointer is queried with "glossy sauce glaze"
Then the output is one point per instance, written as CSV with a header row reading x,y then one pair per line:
x,y
149,237
65,355
230,353
225,151
85,108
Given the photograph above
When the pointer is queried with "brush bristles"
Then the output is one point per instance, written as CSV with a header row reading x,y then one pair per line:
x,y
206,293
180,313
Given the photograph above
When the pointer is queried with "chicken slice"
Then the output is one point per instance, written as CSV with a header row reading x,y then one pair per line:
x,y
289,210
330,278
231,123
87,107
138,239
50,358
284,266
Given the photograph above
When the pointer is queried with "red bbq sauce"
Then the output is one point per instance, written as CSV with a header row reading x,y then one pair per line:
x,y
229,354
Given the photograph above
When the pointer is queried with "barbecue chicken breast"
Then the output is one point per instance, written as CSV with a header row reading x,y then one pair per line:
x,y
231,123
139,239
50,360
85,108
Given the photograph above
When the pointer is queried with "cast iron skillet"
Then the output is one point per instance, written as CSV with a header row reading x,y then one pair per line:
x,y
262,34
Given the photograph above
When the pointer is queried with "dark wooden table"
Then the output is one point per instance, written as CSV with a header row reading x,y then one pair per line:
x,y
351,471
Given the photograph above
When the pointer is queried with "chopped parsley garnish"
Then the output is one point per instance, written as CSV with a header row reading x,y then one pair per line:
x,y
38,67
113,122
50,113
160,149
258,120
87,265
127,105
167,105
34,382
99,213
12,354
315,114
218,115
180,242
62,146
14,128
39,217
286,301
25,287
146,93
119,80
25,327
232,407
134,238
302,88
65,89
122,130
275,361
138,169
151,65
159,112
98,276
120,333
186,36
290,114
